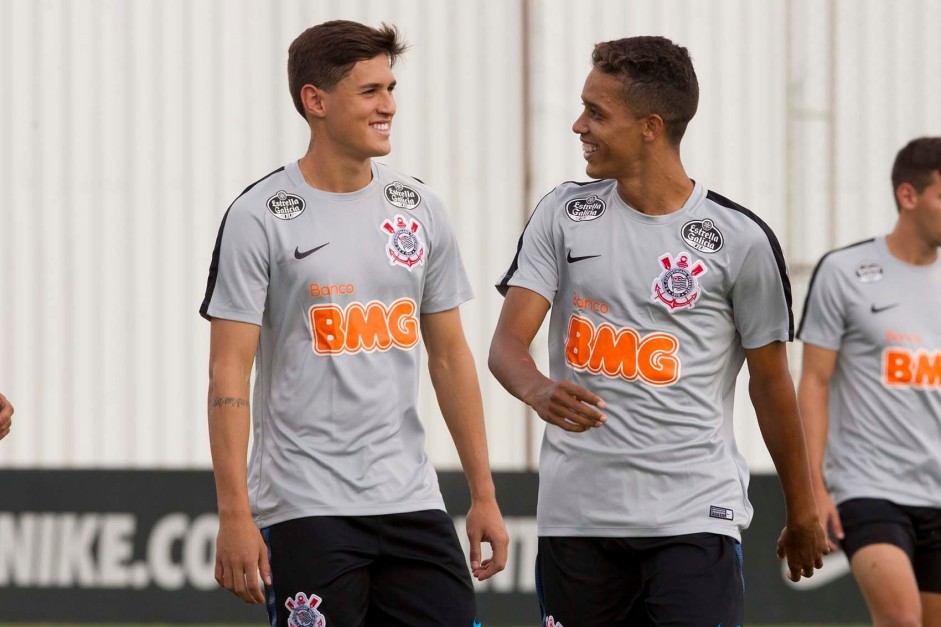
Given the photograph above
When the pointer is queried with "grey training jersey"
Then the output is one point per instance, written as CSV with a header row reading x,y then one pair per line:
x,y
337,283
881,316
653,314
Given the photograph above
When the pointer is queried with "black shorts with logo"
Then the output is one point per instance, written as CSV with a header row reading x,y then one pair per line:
x,y
689,580
915,530
369,571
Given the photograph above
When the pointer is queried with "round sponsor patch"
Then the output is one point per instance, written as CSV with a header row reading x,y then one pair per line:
x,y
402,196
285,206
585,209
870,272
702,235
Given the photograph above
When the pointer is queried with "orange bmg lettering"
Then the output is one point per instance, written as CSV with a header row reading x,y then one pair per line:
x,y
622,352
904,367
368,327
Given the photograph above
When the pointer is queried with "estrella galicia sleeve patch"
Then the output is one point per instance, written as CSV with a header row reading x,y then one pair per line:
x,y
702,235
585,209
285,206
870,272
402,196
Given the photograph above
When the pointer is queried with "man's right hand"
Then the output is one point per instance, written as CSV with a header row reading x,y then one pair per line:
x,y
241,554
802,545
568,406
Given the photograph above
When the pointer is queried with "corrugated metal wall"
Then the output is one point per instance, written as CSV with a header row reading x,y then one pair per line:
x,y
126,128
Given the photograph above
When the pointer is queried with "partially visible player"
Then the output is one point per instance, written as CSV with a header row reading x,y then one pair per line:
x,y
870,398
326,274
660,289
6,416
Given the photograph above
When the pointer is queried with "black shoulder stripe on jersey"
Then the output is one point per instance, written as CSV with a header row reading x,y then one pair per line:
x,y
504,284
775,248
813,277
214,264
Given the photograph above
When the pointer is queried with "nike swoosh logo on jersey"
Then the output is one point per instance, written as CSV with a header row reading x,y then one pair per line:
x,y
572,259
300,255
875,309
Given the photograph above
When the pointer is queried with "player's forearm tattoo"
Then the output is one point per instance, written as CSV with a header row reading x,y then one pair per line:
x,y
228,401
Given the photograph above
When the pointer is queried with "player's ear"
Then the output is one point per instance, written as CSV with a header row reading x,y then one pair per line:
x,y
313,100
653,127
906,196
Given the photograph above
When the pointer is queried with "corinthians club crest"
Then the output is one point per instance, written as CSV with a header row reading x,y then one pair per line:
x,y
404,246
678,286
304,611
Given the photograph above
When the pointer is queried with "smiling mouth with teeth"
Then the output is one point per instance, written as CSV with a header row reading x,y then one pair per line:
x,y
381,126
587,149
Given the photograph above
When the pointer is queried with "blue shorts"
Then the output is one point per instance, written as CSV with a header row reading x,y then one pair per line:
x,y
693,580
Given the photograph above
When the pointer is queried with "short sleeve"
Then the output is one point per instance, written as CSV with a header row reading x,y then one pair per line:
x,y
823,320
446,284
761,304
238,274
536,265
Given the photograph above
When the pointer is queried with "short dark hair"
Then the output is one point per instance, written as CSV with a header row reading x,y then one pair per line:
x,y
915,162
658,77
324,54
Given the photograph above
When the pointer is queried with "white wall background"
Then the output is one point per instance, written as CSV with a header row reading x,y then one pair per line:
x,y
127,127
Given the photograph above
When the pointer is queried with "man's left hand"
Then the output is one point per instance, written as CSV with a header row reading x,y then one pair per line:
x,y
485,524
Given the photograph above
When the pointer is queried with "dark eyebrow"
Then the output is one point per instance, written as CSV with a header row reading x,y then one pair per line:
x,y
589,103
369,86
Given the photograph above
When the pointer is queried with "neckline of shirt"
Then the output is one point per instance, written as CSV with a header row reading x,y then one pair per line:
x,y
883,247
293,171
697,195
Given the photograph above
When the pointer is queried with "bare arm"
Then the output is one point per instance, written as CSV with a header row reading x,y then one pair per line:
x,y
812,396
6,416
454,376
802,542
561,403
240,550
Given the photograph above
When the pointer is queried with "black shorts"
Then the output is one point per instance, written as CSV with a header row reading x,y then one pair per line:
x,y
915,530
390,570
693,580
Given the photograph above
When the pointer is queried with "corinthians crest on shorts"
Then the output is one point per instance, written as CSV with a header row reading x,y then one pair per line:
x,y
405,246
304,611
678,287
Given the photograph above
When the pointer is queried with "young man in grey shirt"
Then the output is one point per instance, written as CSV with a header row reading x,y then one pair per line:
x,y
870,398
660,290
326,274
